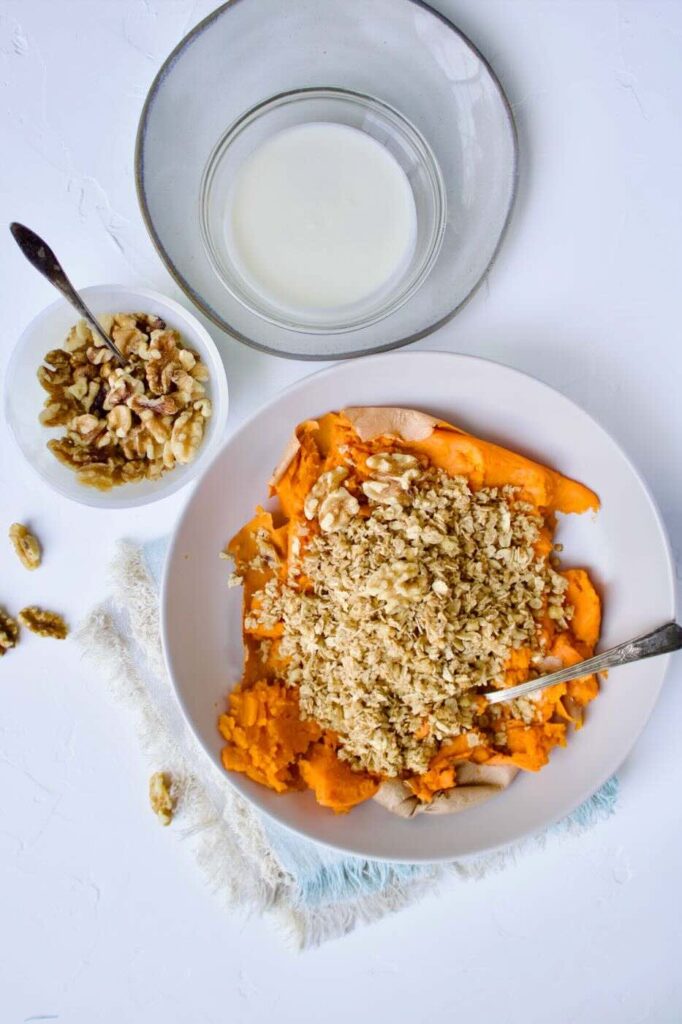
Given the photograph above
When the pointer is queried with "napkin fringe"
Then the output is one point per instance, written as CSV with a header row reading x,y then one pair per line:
x,y
303,929
226,843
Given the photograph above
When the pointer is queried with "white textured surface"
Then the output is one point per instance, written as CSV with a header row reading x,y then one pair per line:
x,y
102,918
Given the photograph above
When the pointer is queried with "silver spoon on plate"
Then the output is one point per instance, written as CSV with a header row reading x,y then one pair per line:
x,y
663,640
40,256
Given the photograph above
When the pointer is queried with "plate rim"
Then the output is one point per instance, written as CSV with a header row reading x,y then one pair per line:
x,y
200,302
164,594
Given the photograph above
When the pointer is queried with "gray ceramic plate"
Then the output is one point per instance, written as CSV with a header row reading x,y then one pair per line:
x,y
398,51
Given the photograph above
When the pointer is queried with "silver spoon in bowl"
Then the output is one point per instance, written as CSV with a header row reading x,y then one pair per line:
x,y
40,256
663,640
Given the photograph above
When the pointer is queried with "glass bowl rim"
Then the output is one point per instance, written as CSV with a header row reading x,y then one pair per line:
x,y
429,162
204,306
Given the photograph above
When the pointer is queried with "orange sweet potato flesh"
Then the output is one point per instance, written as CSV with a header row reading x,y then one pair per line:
x,y
265,735
266,738
268,741
333,782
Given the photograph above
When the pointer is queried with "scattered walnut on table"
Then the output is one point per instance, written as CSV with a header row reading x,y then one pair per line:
x,y
9,632
26,545
124,423
161,796
43,622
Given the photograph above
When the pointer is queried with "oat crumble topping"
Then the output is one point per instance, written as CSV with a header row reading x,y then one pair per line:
x,y
417,597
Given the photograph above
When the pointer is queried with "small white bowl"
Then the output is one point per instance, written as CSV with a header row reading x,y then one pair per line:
x,y
24,397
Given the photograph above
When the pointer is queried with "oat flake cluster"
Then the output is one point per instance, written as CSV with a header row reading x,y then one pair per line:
x,y
413,607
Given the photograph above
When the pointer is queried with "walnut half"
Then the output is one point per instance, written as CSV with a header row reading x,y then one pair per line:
x,y
161,796
43,623
324,485
9,632
398,466
26,545
337,510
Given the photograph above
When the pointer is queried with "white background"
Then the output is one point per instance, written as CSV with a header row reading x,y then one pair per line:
x,y
102,915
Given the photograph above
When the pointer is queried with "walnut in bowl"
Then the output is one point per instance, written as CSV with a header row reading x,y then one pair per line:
x,y
125,423
108,435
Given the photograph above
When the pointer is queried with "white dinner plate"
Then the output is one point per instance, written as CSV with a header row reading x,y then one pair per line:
x,y
624,546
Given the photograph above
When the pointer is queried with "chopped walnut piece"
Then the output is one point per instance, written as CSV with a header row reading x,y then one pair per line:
x,y
120,420
9,632
186,383
122,388
161,796
99,476
26,545
87,426
43,623
204,407
136,469
199,371
80,389
124,423
79,336
53,380
395,466
337,510
325,483
162,405
129,339
157,426
186,436
97,356
57,414
384,492
71,454
186,359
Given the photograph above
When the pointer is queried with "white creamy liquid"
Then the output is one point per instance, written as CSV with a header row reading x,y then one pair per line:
x,y
321,216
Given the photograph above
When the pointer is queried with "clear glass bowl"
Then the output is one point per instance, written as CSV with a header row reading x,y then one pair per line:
x,y
400,52
337,106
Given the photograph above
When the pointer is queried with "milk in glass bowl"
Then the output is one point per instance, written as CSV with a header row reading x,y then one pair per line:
x,y
322,210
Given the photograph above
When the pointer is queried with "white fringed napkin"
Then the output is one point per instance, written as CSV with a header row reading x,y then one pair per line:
x,y
252,863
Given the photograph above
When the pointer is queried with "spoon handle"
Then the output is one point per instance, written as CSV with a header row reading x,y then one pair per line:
x,y
660,641
40,256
